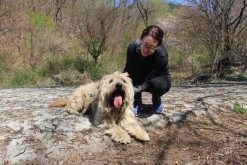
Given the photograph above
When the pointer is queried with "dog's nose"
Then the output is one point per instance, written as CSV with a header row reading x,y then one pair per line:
x,y
118,86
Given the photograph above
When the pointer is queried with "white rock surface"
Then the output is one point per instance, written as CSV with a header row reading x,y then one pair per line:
x,y
30,129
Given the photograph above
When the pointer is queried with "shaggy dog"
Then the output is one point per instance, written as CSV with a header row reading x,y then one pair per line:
x,y
111,101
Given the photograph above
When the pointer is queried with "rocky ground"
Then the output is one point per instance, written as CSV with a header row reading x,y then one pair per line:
x,y
198,126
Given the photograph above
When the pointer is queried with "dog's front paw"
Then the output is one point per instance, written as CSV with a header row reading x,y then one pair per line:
x,y
120,136
141,135
144,136
72,111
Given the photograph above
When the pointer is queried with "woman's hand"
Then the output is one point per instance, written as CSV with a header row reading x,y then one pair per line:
x,y
138,89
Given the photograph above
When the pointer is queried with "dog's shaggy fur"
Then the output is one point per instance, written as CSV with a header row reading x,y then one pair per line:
x,y
111,101
81,99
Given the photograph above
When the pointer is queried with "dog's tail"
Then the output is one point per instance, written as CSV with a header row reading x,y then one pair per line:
x,y
59,103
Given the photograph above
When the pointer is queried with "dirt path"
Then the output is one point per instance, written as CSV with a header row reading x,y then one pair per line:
x,y
197,127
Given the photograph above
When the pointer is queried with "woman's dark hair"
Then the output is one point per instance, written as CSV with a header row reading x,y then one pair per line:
x,y
154,31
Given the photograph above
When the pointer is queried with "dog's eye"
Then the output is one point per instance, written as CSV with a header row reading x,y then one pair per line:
x,y
110,81
123,80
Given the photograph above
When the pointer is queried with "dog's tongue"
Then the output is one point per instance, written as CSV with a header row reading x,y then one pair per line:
x,y
118,101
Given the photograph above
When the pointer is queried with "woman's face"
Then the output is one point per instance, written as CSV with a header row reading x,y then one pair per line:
x,y
148,45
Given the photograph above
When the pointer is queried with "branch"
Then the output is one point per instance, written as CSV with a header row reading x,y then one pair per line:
x,y
238,19
144,14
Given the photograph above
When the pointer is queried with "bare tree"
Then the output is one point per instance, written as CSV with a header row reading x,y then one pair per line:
x,y
95,21
58,7
3,13
92,26
144,10
37,34
218,25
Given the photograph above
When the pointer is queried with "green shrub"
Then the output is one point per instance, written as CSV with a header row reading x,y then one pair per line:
x,y
41,20
95,71
202,59
6,62
81,64
67,63
53,67
23,78
26,77
176,59
241,77
239,109
41,72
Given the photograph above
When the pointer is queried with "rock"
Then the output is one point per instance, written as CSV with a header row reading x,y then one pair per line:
x,y
30,130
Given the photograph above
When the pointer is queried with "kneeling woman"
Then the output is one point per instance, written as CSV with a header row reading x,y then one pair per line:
x,y
147,66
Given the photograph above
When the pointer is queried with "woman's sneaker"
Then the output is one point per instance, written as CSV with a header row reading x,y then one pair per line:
x,y
137,107
157,105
